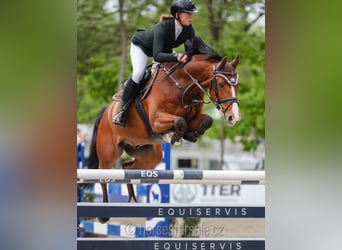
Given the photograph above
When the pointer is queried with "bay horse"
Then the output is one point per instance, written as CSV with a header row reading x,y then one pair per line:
x,y
168,109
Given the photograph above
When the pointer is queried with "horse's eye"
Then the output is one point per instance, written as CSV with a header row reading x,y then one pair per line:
x,y
221,84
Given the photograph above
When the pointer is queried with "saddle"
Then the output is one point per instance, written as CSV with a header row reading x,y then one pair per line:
x,y
145,85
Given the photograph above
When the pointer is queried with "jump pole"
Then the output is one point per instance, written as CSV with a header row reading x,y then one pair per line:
x,y
170,176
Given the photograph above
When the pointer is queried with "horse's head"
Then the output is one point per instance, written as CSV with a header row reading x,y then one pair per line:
x,y
223,89
223,85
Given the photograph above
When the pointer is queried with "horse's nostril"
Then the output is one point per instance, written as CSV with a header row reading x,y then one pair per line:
x,y
230,118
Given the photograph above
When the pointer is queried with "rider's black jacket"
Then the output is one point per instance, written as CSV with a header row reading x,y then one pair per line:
x,y
158,42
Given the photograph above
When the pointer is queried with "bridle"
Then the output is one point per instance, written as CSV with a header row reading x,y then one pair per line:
x,y
231,79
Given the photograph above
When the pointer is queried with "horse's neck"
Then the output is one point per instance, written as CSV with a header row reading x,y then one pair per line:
x,y
198,70
201,70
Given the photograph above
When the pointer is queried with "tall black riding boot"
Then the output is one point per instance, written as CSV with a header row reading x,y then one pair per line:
x,y
128,96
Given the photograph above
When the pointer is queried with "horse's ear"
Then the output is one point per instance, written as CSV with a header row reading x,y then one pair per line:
x,y
222,63
236,61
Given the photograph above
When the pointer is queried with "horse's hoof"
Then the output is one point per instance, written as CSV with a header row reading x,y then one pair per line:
x,y
132,200
103,219
178,142
190,139
168,137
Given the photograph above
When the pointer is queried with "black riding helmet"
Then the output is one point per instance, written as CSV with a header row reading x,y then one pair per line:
x,y
179,6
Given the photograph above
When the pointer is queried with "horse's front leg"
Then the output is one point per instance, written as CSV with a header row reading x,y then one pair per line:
x,y
192,134
170,124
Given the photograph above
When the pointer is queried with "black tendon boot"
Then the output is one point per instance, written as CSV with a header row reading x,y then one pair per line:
x,y
128,96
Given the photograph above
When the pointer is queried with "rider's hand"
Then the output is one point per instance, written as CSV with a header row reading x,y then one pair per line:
x,y
182,58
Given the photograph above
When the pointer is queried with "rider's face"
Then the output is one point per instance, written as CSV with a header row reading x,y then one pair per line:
x,y
185,18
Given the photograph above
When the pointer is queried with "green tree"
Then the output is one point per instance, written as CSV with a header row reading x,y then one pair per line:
x,y
103,32
232,31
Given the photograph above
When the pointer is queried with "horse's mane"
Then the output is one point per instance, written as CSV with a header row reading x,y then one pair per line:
x,y
197,46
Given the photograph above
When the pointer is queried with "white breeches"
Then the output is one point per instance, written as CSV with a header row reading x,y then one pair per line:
x,y
139,61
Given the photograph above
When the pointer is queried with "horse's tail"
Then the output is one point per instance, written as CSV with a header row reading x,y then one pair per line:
x,y
93,160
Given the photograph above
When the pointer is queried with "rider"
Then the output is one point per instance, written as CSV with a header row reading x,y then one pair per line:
x,y
157,42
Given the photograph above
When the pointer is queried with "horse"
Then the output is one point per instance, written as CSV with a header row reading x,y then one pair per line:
x,y
168,109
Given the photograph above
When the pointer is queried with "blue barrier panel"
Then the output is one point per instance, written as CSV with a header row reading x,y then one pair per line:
x,y
123,230
170,244
167,210
80,155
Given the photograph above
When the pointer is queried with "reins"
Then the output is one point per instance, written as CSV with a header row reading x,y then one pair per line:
x,y
213,84
169,72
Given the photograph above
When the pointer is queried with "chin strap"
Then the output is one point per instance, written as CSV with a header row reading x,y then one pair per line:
x,y
177,18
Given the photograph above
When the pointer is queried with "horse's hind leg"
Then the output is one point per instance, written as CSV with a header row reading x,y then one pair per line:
x,y
108,152
131,194
145,157
105,165
104,199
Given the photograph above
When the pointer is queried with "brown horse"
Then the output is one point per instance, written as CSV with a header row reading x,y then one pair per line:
x,y
168,109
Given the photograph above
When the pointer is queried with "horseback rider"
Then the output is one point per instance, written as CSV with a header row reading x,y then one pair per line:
x,y
157,42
